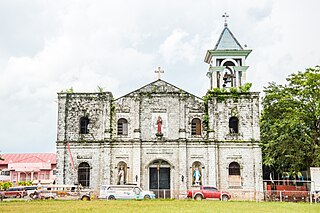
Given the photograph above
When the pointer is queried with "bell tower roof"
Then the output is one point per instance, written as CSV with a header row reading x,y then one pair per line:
x,y
227,41
227,45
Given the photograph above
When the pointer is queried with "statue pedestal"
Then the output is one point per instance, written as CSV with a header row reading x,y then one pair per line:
x,y
196,183
159,136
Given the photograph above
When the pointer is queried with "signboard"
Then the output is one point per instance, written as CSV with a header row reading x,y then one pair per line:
x,y
315,178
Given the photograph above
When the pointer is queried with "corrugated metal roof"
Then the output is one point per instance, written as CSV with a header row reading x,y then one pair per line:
x,y
227,41
28,158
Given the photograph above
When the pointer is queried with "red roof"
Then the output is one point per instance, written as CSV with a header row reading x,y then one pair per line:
x,y
28,158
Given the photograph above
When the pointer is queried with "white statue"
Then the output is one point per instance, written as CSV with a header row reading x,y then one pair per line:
x,y
197,176
121,175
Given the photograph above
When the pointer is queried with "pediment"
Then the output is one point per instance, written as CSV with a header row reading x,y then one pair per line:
x,y
158,87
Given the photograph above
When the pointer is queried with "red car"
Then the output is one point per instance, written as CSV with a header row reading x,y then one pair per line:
x,y
208,192
16,192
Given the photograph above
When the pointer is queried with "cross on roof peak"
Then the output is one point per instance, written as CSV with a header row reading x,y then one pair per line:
x,y
225,16
158,71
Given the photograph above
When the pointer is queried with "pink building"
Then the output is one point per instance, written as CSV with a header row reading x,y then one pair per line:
x,y
28,167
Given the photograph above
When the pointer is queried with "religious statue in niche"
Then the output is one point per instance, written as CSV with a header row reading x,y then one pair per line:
x,y
121,176
196,174
159,127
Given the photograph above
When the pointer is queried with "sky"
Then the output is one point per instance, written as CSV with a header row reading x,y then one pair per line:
x,y
50,46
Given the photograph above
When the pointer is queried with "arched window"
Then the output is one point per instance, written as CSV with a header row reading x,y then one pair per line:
x,y
234,125
84,121
196,126
234,168
84,174
122,126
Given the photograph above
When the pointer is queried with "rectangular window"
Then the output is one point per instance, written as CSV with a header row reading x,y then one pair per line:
x,y
5,173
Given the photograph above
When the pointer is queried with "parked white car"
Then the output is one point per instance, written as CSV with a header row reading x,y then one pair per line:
x,y
125,192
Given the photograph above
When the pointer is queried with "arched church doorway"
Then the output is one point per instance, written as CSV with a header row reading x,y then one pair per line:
x,y
159,178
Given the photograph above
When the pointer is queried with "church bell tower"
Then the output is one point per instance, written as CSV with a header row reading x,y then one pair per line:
x,y
227,61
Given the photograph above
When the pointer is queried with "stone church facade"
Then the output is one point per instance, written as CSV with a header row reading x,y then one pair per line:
x,y
164,138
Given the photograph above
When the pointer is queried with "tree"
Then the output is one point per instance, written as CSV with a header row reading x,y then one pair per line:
x,y
290,123
7,185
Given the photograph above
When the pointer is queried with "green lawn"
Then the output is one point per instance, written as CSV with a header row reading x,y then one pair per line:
x,y
154,206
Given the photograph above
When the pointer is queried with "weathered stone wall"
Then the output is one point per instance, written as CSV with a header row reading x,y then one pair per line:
x,y
73,106
244,154
104,150
141,108
245,107
89,152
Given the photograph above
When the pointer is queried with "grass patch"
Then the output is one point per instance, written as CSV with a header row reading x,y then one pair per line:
x,y
147,206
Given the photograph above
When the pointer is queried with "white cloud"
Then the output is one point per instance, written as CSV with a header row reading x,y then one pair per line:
x,y
177,47
49,46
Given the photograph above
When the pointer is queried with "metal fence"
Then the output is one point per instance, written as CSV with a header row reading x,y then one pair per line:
x,y
273,191
235,194
290,191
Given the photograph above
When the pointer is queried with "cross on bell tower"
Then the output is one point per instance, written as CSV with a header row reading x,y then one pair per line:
x,y
225,16
159,71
